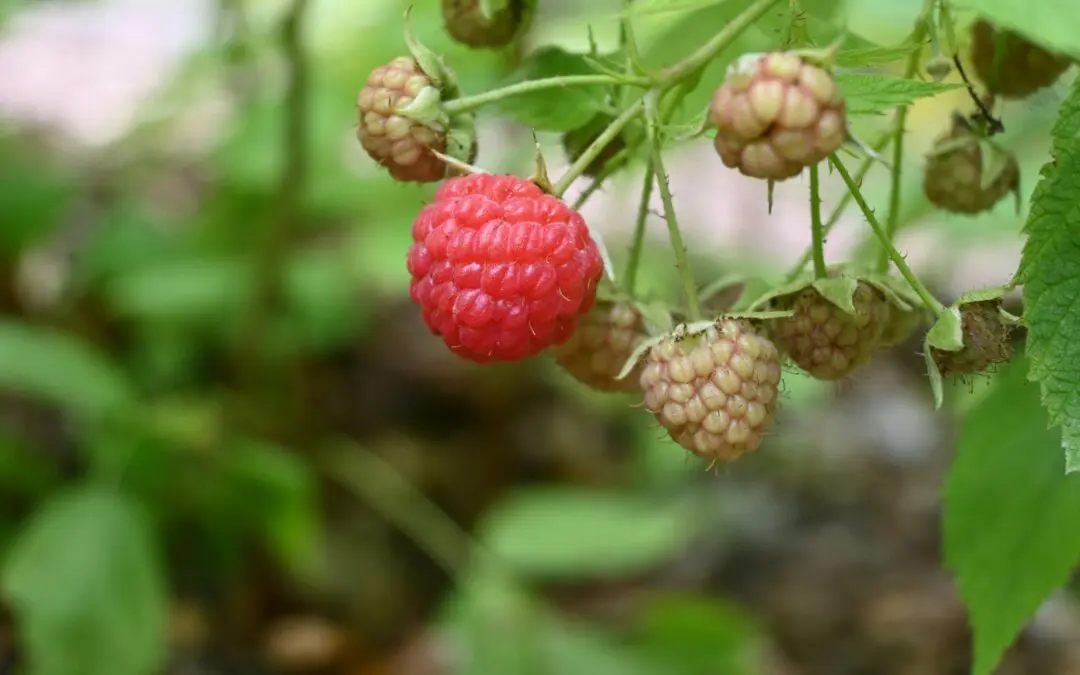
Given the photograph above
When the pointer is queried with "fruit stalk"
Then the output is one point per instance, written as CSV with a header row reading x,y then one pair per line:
x,y
688,66
292,185
638,242
892,219
596,147
817,229
682,262
466,104
920,289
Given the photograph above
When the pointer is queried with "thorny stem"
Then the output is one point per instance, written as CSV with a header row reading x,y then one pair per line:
x,y
928,299
816,228
466,104
892,219
638,242
838,210
292,184
718,43
597,146
652,130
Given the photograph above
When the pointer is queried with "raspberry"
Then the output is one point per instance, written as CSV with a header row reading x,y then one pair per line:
x,y
715,392
605,339
900,326
501,270
823,339
954,180
986,340
777,117
465,22
402,145
575,142
1022,68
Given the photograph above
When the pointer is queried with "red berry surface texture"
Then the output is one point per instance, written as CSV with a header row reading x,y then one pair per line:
x,y
778,116
715,393
501,270
401,145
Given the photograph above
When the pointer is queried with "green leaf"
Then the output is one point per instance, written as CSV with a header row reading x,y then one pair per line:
x,y
840,291
1052,23
53,366
700,635
194,289
873,56
1050,273
872,94
32,199
644,8
1012,515
567,532
563,109
87,589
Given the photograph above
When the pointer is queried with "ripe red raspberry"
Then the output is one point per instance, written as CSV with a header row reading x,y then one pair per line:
x,y
777,116
1022,68
501,270
402,145
954,179
575,142
715,392
986,341
824,340
465,22
604,341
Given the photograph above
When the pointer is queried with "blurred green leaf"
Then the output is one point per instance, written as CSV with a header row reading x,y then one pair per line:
x,y
279,492
24,470
87,588
873,56
1012,514
32,198
872,94
57,367
203,288
568,532
1050,274
700,636
563,109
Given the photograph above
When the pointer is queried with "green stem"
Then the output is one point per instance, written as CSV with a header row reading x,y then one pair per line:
x,y
720,41
816,228
682,261
466,104
928,299
637,245
838,210
596,147
892,219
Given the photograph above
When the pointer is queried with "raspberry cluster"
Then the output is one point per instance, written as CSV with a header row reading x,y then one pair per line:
x,y
955,178
986,338
1010,65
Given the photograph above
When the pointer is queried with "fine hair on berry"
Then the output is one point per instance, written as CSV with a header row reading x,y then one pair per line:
x,y
501,270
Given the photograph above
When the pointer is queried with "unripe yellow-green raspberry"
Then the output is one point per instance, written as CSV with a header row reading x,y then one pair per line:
x,y
824,340
986,341
777,116
601,345
954,177
403,146
715,392
465,22
1022,67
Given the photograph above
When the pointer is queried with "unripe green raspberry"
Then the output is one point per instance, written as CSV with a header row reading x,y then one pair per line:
x,y
404,146
465,22
601,345
986,341
954,178
900,326
715,392
823,339
577,141
1021,69
777,116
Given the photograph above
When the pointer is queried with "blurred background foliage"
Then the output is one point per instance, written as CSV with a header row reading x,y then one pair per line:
x,y
228,444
